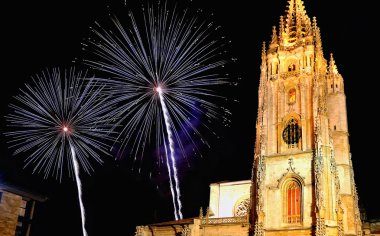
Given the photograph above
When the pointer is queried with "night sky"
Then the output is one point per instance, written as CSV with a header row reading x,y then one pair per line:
x,y
38,35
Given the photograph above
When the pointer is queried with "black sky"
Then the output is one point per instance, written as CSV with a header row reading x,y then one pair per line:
x,y
43,34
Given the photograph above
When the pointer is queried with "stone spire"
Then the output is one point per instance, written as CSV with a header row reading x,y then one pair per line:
x,y
263,58
281,32
335,79
274,36
263,79
297,23
263,67
320,61
333,69
274,42
317,33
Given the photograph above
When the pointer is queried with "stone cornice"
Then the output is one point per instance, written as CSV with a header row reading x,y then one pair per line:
x,y
291,227
290,153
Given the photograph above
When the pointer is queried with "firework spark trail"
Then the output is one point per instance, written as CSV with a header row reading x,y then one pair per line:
x,y
61,123
171,181
79,187
172,155
170,49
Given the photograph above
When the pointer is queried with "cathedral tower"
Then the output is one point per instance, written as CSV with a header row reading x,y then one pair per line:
x,y
302,178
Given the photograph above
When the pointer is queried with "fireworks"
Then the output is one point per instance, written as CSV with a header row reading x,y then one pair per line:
x,y
163,70
60,122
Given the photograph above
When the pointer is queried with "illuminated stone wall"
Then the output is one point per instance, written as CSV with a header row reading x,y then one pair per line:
x,y
195,227
9,212
279,168
226,196
227,215
302,135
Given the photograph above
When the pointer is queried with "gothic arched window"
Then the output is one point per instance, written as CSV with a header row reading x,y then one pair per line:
x,y
292,67
292,96
292,193
292,133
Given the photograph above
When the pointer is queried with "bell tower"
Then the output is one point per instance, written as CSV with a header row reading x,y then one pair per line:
x,y
302,176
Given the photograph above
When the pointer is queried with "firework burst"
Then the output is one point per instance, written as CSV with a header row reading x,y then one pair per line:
x,y
60,123
163,71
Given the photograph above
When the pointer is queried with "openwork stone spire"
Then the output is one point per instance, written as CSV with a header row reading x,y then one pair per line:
x,y
297,23
274,36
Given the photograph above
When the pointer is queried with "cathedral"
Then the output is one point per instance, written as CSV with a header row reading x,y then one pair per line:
x,y
302,177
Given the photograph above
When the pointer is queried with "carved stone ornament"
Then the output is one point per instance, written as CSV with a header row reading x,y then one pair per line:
x,y
242,208
260,183
290,171
139,231
321,226
186,231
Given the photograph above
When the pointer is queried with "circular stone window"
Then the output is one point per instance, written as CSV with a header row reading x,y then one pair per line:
x,y
241,209
292,133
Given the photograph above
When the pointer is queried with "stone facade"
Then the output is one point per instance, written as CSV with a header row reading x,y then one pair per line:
x,y
233,226
9,211
229,199
302,178
372,227
16,210
226,215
